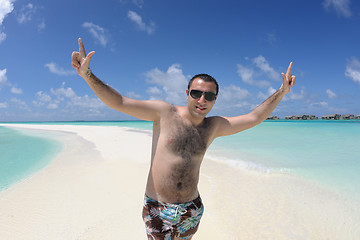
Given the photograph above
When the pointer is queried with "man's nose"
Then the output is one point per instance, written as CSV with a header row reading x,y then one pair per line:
x,y
202,99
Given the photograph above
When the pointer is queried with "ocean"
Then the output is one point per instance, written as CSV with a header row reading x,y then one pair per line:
x,y
23,153
324,152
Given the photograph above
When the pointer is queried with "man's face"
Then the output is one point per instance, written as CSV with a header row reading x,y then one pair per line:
x,y
200,107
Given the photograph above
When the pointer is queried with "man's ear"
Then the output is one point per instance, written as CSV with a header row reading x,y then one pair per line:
x,y
187,94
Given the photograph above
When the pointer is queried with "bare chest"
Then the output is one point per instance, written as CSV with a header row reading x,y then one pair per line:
x,y
186,140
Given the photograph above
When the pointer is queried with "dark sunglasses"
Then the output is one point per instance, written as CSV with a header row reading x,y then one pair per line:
x,y
209,96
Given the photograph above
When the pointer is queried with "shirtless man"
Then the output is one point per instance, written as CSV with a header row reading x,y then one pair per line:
x,y
181,135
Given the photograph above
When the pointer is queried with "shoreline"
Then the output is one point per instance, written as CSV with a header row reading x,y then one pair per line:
x,y
84,193
95,187
29,152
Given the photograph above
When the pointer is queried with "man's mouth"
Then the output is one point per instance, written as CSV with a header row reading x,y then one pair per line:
x,y
200,108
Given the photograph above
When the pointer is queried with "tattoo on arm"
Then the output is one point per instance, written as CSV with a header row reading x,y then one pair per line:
x,y
272,98
105,93
95,81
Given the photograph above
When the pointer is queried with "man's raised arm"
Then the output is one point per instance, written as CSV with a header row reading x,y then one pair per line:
x,y
145,110
232,125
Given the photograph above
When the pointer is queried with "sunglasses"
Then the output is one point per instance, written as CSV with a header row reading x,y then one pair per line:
x,y
209,96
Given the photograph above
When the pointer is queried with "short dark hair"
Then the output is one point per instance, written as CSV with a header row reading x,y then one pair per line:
x,y
206,78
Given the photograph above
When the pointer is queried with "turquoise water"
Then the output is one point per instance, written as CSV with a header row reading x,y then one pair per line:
x,y
144,125
23,154
324,152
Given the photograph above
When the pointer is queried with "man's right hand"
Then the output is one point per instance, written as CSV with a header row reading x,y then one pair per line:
x,y
80,61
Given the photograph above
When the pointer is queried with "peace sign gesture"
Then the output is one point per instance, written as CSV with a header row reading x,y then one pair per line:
x,y
288,79
80,61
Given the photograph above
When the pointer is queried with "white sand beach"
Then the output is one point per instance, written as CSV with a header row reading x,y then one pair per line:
x,y
94,189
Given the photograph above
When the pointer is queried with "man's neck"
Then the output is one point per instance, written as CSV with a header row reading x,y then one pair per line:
x,y
194,120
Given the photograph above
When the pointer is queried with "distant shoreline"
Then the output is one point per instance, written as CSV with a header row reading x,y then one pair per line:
x,y
313,117
272,118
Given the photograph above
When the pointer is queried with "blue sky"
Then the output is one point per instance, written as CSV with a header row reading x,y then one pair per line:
x,y
150,49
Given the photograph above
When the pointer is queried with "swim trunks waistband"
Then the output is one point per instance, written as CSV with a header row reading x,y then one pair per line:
x,y
197,201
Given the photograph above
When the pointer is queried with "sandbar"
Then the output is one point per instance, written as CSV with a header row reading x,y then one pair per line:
x,y
94,189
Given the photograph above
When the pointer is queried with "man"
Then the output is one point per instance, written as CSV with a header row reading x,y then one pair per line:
x,y
181,135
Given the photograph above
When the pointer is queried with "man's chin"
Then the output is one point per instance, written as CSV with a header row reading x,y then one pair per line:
x,y
201,113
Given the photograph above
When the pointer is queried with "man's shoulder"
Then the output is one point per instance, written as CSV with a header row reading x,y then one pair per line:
x,y
212,122
214,119
162,106
168,111
215,122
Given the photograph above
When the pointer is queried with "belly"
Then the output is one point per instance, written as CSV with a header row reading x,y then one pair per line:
x,y
175,182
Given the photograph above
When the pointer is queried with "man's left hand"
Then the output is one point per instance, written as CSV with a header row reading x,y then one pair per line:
x,y
288,80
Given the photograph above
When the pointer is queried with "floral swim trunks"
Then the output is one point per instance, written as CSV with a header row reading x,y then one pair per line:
x,y
164,221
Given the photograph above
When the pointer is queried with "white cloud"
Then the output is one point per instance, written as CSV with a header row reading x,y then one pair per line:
x,y
263,69
319,104
244,105
136,18
353,70
3,78
172,84
247,75
3,105
341,7
6,7
16,90
154,92
62,93
330,94
232,93
271,38
263,64
54,68
66,99
4,81
25,14
52,106
2,37
43,97
99,33
269,92
138,3
133,95
86,102
42,25
231,97
21,104
295,96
